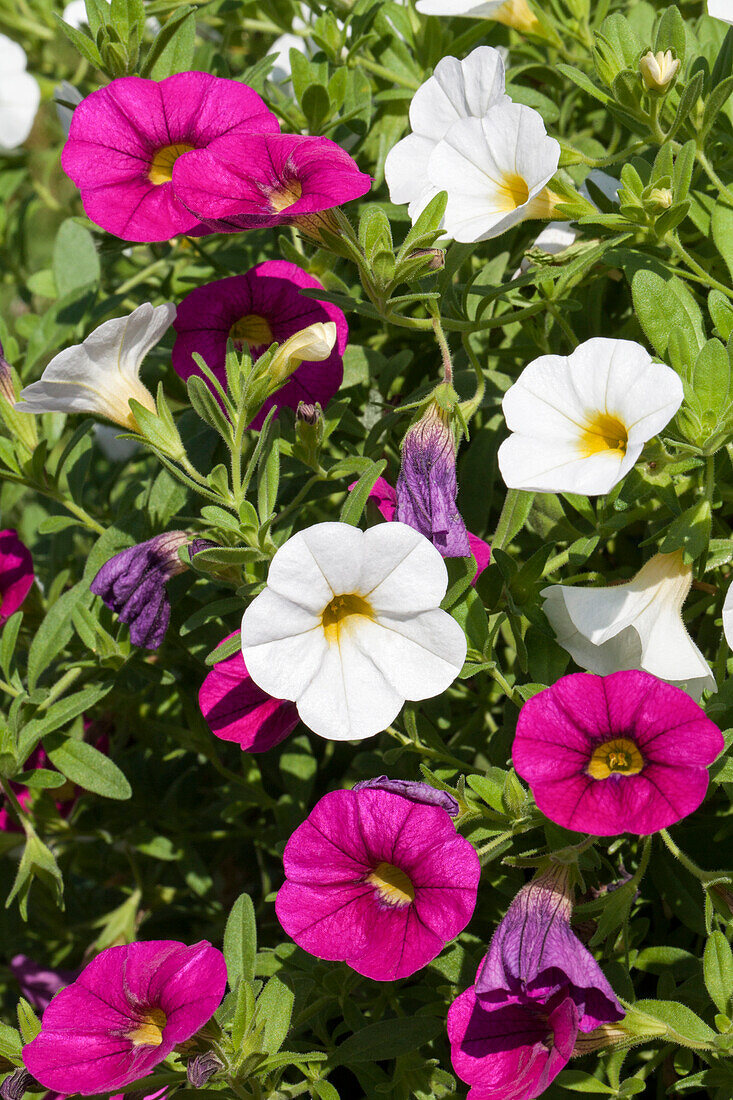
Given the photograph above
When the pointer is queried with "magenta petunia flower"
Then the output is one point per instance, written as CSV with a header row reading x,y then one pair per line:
x,y
615,754
377,881
125,139
513,1052
385,497
16,573
236,709
256,309
124,1014
247,181
534,955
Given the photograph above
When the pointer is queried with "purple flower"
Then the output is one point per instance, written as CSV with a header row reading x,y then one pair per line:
x,y
16,573
124,1014
535,955
427,486
39,984
132,584
416,792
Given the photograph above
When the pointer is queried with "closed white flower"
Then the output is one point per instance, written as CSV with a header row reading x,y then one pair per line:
x,y
721,9
495,170
19,95
456,90
634,625
580,422
513,13
101,375
350,626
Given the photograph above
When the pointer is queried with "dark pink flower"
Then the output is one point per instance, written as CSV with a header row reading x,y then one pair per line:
x,y
615,754
125,139
378,881
124,1014
16,573
256,309
246,181
236,709
385,497
513,1052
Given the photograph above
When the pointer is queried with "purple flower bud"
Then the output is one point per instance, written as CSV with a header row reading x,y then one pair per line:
x,y
16,1084
535,955
416,792
201,1068
427,486
308,414
132,584
7,389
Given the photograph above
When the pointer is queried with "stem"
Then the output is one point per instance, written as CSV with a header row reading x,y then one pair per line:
x,y
705,877
679,250
713,176
468,408
22,816
300,495
388,74
495,842
443,345
141,276
709,477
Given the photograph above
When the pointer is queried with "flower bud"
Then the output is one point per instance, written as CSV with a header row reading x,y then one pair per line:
x,y
309,429
20,426
201,1068
16,1084
308,414
314,344
435,257
658,71
660,198
7,389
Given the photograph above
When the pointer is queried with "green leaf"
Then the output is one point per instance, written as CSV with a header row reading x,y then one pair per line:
x,y
172,51
10,1044
207,407
514,515
87,767
355,502
54,632
75,260
268,473
37,861
575,1081
387,1039
683,1026
274,1011
240,940
28,1022
721,227
689,532
664,306
718,971
83,42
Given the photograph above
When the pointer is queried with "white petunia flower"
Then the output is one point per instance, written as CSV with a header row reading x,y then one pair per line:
x,y
20,95
580,422
633,625
513,13
456,90
350,626
102,374
495,170
282,70
721,9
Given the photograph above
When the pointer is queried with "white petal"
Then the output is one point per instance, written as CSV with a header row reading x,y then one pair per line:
x,y
296,574
338,551
348,698
282,644
20,96
281,47
728,616
125,341
420,656
458,89
406,168
402,572
607,185
12,56
549,466
721,9
477,9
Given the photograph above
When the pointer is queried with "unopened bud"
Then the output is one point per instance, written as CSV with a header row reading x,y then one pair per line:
x,y
435,257
16,1084
202,1068
313,344
658,71
661,197
308,414
7,389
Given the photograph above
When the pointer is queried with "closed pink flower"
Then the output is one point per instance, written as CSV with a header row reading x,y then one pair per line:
x,y
236,709
615,754
377,881
256,309
124,1014
125,139
16,573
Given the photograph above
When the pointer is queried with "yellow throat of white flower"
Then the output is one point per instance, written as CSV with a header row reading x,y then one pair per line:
x,y
519,15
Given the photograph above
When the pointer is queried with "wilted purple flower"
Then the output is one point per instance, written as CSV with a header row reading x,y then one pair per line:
x,y
16,1084
535,955
7,389
416,792
201,1068
38,984
132,584
427,486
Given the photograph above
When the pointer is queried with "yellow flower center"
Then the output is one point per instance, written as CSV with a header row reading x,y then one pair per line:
x,y
340,610
603,432
161,169
619,756
513,192
252,330
392,884
288,194
517,14
149,1032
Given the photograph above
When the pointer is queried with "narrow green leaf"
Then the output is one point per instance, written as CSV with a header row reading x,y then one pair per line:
x,y
88,767
240,940
355,503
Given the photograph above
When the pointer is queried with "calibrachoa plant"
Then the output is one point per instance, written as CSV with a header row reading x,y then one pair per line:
x,y
366,489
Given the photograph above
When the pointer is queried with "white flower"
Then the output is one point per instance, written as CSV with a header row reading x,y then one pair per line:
x,y
19,95
580,422
721,9
75,14
633,625
313,344
282,70
494,169
513,13
658,70
350,626
457,89
102,374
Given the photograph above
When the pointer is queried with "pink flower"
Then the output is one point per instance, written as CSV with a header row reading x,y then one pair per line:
x,y
377,881
249,181
511,1052
614,754
256,309
124,1014
237,710
125,139
16,573
385,497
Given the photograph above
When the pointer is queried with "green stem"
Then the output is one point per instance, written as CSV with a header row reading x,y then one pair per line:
x,y
387,74
9,689
442,344
60,687
141,276
679,250
468,408
22,816
495,842
299,497
709,477
705,877
713,176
